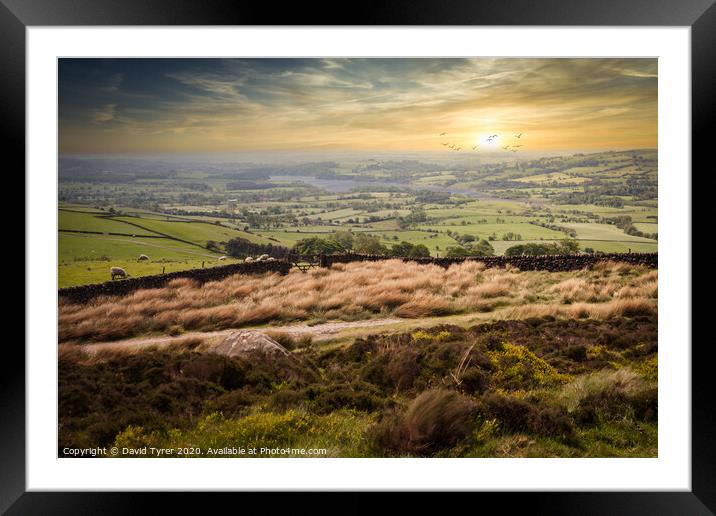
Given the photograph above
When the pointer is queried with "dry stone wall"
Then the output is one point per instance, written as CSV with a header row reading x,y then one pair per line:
x,y
84,293
552,263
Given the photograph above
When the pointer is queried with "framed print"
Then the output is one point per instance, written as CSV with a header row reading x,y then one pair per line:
x,y
415,250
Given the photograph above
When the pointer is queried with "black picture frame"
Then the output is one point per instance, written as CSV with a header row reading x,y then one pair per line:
x,y
699,15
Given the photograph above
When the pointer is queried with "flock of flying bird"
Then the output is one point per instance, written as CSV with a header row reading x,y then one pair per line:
x,y
511,147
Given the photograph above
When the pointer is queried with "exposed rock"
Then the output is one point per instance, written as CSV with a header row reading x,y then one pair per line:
x,y
262,352
250,345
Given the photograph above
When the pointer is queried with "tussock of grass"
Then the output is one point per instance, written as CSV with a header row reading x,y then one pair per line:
x,y
622,380
618,307
610,396
435,420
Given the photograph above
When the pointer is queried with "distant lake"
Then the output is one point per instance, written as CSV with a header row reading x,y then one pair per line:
x,y
347,185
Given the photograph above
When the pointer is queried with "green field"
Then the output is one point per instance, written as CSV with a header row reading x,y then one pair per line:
x,y
638,214
647,227
526,230
73,246
84,258
431,201
84,272
605,232
556,177
75,221
198,233
621,247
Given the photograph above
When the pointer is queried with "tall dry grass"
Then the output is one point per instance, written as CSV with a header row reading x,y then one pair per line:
x,y
623,381
359,291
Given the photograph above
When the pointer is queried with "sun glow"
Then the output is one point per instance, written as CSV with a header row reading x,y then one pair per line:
x,y
228,105
488,140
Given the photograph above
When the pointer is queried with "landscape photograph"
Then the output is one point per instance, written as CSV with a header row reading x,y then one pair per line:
x,y
357,257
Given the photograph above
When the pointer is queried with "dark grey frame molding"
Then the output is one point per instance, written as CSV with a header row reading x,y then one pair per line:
x,y
16,15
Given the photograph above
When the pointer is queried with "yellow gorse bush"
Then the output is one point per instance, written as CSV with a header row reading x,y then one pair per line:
x,y
518,368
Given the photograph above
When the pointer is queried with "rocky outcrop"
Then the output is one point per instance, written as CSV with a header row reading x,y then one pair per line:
x,y
250,345
259,351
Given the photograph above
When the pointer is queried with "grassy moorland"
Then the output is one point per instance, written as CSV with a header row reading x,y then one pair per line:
x,y
362,290
561,364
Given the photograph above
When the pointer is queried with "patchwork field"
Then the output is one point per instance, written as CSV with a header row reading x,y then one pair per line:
x,y
95,222
604,202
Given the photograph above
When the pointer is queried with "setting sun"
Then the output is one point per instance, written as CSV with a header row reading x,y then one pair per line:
x,y
204,105
488,140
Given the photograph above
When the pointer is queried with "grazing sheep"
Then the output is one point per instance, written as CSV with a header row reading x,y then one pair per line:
x,y
248,260
117,271
222,258
143,257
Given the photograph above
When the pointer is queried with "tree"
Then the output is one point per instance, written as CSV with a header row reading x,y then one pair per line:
x,y
368,244
401,249
532,249
481,248
419,251
316,245
416,215
568,246
456,251
344,238
408,250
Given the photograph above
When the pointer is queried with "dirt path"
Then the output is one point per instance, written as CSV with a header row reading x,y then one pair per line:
x,y
318,332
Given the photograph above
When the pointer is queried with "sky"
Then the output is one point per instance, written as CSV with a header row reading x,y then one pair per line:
x,y
133,106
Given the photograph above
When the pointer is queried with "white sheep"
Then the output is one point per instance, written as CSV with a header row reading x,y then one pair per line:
x,y
117,271
143,257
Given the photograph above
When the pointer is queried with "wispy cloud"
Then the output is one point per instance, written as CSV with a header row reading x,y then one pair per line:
x,y
260,104
104,114
114,81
